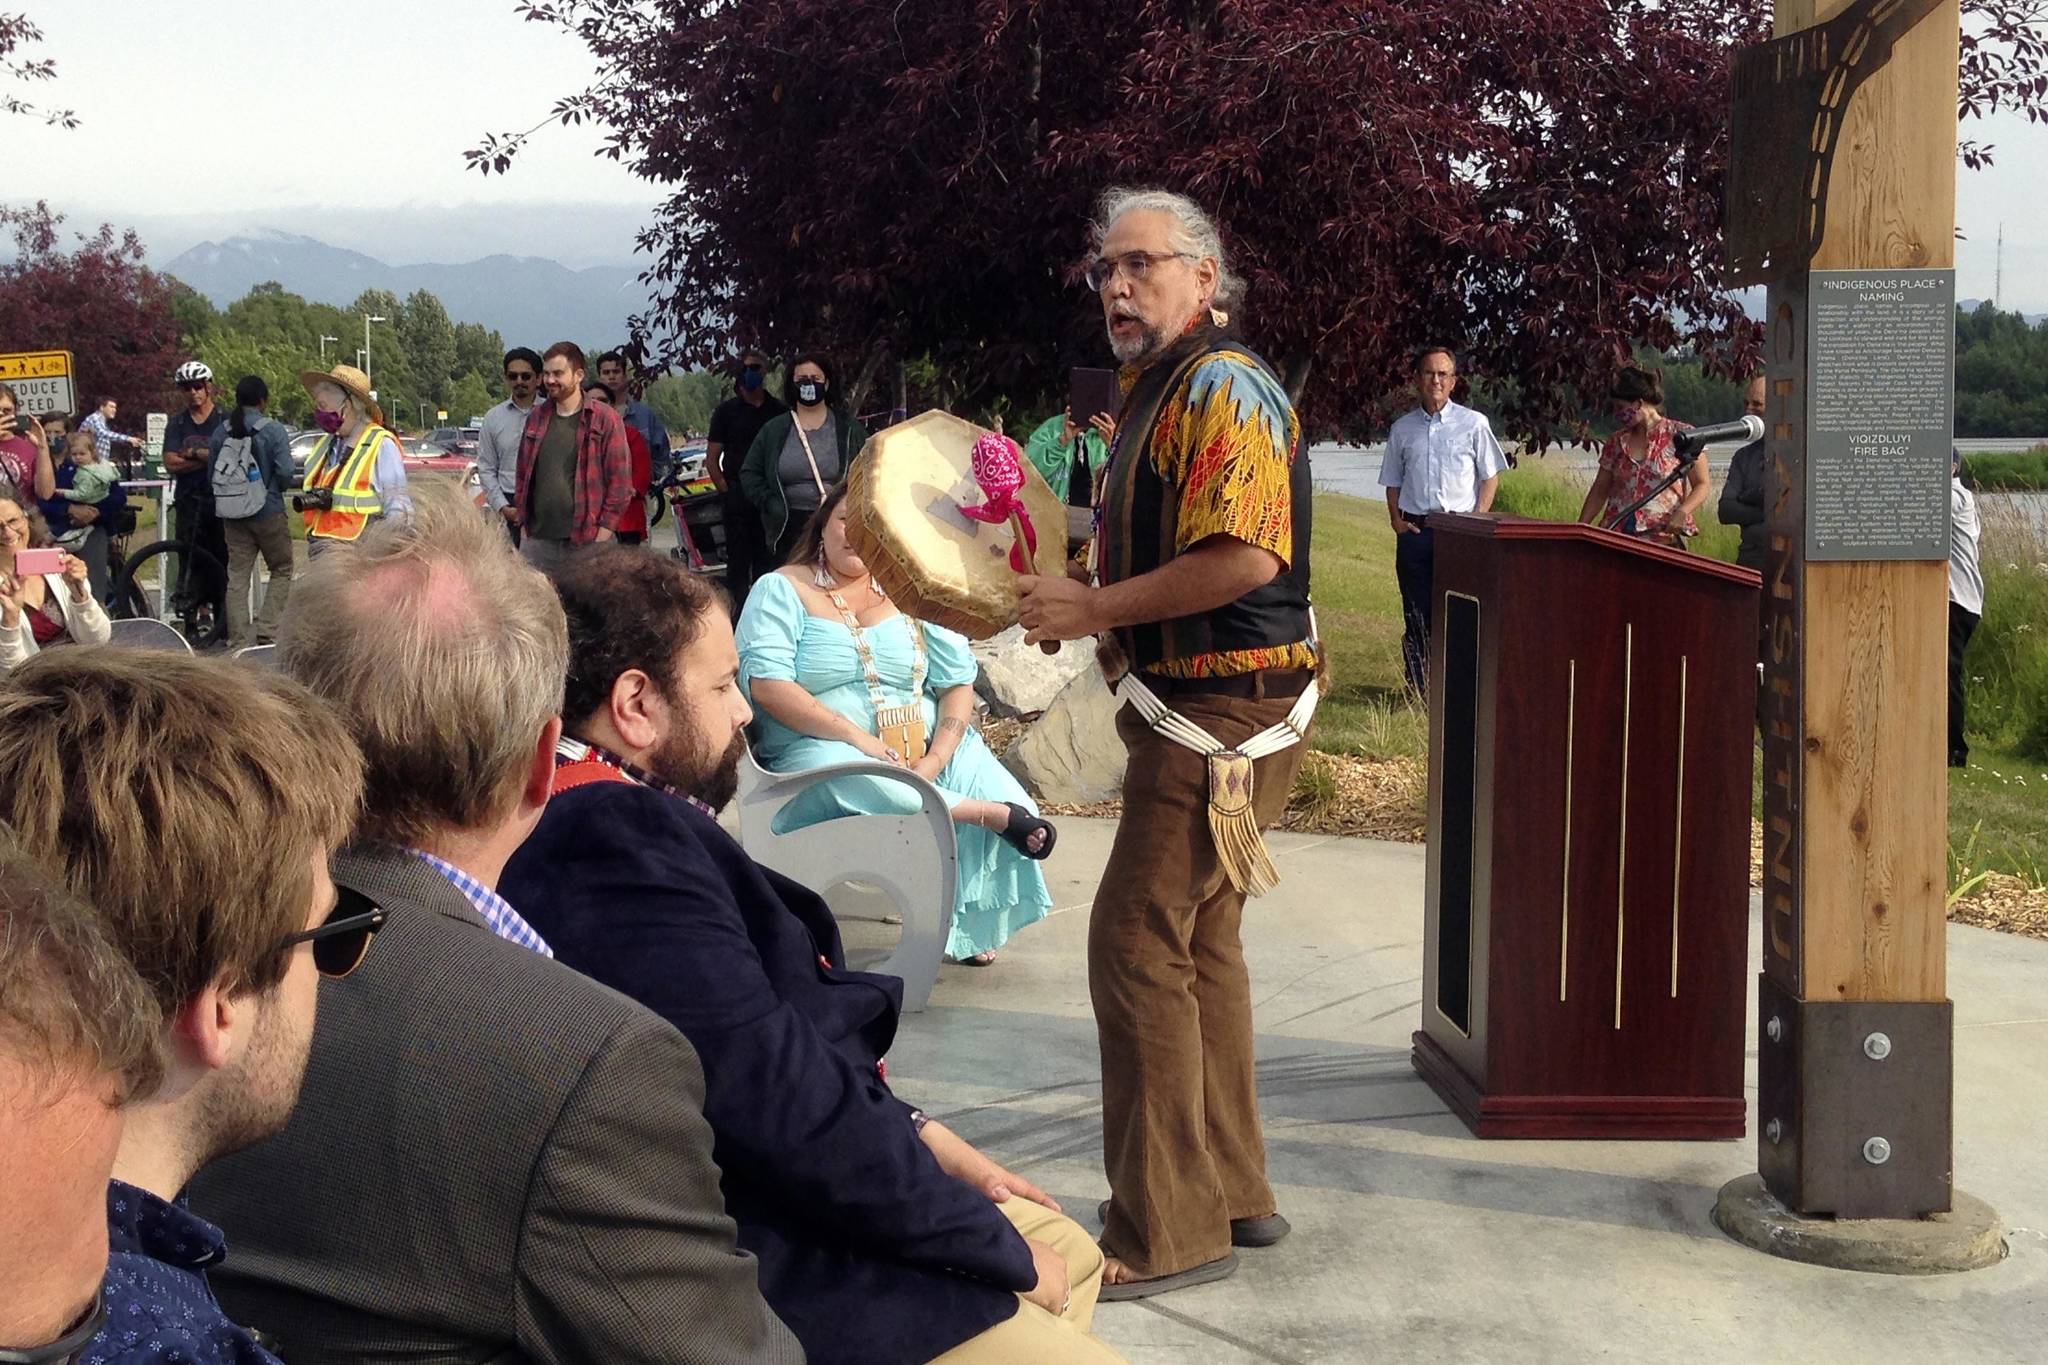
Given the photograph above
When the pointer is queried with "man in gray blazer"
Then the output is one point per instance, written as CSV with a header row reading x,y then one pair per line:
x,y
493,1158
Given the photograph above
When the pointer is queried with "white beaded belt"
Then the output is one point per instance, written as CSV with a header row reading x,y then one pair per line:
x,y
1232,822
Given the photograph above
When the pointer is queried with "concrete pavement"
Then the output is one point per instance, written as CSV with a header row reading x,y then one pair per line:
x,y
1414,1241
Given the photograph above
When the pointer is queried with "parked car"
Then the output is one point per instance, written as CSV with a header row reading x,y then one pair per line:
x,y
302,450
455,440
689,460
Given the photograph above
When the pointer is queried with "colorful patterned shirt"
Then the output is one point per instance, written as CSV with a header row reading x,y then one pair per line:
x,y
1227,440
498,913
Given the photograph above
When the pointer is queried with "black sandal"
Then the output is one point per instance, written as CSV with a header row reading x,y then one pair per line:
x,y
1022,825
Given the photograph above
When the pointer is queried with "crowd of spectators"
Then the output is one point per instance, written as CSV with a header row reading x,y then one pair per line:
x,y
534,1117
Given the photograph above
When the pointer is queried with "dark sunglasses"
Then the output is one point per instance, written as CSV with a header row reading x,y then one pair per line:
x,y
191,385
66,1348
342,942
519,376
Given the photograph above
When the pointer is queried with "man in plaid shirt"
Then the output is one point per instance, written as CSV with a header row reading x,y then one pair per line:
x,y
97,424
575,470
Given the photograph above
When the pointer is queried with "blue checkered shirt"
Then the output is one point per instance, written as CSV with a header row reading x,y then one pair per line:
x,y
498,913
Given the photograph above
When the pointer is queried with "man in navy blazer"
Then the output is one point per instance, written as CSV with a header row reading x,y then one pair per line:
x,y
882,1236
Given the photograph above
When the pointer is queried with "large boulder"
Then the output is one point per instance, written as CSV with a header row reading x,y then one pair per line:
x,y
1071,756
1021,680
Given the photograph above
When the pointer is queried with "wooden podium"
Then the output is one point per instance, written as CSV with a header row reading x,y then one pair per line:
x,y
1585,958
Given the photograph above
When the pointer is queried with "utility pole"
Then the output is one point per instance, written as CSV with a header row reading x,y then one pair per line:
x,y
323,347
369,318
1998,279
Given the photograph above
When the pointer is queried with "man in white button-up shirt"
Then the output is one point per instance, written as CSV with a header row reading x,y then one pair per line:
x,y
1441,457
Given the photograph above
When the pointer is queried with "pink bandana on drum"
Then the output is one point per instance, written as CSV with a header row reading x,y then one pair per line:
x,y
1000,475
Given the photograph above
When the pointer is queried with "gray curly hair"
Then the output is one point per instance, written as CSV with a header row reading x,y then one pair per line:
x,y
1194,231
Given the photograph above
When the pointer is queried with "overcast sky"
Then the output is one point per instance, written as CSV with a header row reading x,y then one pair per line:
x,y
238,114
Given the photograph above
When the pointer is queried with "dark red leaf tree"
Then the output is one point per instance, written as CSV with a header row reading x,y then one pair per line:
x,y
17,69
1538,183
97,301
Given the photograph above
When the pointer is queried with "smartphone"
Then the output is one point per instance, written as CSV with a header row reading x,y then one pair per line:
x,y
27,562
1091,393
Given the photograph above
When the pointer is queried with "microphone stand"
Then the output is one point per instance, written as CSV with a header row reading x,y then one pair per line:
x,y
1623,520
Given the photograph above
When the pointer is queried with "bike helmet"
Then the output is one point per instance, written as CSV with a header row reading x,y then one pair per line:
x,y
194,372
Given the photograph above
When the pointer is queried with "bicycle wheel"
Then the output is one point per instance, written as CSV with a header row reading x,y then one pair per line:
x,y
203,622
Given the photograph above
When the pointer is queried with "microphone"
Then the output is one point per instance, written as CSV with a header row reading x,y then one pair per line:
x,y
1745,429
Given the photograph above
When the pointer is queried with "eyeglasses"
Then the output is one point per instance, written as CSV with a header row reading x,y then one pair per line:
x,y
66,1348
342,942
520,376
1136,264
193,385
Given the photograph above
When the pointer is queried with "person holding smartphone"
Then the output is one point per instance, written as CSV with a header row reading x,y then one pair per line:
x,y
24,449
1062,451
44,595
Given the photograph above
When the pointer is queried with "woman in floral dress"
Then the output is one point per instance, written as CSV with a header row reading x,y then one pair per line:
x,y
1641,454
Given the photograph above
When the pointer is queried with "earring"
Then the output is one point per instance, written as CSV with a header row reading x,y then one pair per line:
x,y
821,574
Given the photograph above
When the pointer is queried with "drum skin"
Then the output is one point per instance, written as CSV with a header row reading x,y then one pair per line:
x,y
902,517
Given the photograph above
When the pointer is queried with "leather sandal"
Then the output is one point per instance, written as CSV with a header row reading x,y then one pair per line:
x,y
1222,1268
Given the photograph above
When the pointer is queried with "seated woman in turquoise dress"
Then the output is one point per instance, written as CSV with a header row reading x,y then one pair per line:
x,y
823,654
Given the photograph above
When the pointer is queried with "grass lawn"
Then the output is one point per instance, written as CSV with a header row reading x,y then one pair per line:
x,y
1358,612
1997,810
1997,807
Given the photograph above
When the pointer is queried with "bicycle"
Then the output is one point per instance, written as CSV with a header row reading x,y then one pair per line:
x,y
202,613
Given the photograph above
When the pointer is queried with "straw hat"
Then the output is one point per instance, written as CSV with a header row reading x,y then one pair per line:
x,y
351,381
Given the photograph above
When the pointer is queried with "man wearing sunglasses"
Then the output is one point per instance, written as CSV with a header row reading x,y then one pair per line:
x,y
107,751
497,443
78,1038
188,456
497,1158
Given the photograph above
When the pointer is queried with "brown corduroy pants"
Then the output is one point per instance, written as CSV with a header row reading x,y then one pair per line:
x,y
1173,1007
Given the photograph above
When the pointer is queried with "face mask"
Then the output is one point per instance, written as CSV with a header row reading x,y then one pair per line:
x,y
329,422
810,391
750,379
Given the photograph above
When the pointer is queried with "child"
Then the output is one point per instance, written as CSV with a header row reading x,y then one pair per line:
x,y
91,480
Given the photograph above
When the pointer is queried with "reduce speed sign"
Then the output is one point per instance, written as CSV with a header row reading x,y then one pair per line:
x,y
41,381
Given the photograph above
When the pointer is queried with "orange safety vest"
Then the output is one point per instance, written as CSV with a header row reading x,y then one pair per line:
x,y
355,495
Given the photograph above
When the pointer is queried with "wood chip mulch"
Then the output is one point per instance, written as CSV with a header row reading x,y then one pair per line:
x,y
2007,904
1388,799
2011,905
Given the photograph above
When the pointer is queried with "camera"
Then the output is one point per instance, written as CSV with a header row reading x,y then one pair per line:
x,y
314,500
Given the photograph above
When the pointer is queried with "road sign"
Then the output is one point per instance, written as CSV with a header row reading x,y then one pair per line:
x,y
441,415
41,381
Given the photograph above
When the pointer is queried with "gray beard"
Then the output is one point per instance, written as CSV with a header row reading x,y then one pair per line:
x,y
1149,343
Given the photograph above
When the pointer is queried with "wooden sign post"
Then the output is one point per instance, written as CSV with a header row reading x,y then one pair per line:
x,y
1845,161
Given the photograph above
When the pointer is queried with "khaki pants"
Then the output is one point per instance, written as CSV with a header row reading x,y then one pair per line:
x,y
1173,1009
269,535
1034,1336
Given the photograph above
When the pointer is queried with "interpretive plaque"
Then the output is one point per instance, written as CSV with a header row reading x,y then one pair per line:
x,y
1881,417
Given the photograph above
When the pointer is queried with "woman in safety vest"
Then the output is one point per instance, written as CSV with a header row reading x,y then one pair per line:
x,y
355,474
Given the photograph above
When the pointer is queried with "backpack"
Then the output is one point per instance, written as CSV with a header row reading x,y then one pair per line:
x,y
237,479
